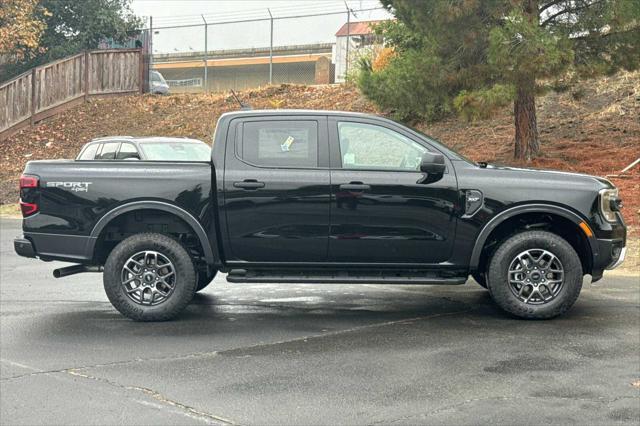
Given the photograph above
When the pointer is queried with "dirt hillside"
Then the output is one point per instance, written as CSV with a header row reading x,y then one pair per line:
x,y
594,128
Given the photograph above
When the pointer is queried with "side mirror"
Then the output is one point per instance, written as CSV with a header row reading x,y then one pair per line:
x,y
432,164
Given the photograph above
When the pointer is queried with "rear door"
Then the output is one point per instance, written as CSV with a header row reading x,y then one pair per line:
x,y
276,189
382,211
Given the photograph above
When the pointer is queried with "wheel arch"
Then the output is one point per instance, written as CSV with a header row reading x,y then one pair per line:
x,y
528,209
172,209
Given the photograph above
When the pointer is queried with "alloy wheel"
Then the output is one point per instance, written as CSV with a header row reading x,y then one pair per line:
x,y
148,278
536,276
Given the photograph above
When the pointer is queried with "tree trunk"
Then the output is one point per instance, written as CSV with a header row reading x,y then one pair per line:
x,y
527,142
524,107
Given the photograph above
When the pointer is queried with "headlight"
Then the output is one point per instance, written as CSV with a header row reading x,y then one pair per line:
x,y
609,203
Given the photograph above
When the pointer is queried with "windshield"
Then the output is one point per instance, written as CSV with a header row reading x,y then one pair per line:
x,y
176,151
432,139
156,77
453,154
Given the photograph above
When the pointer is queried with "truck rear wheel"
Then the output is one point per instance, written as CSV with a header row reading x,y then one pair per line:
x,y
149,277
535,275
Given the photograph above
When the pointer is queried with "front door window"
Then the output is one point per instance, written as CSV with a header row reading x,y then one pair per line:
x,y
366,146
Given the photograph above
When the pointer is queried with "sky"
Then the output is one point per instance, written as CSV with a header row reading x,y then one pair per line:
x,y
289,31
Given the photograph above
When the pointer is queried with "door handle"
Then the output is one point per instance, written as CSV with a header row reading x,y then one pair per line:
x,y
355,186
248,184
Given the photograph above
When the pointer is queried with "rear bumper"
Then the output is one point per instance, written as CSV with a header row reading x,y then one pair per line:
x,y
24,247
68,248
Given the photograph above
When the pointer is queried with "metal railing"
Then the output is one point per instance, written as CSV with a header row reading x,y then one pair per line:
x,y
269,46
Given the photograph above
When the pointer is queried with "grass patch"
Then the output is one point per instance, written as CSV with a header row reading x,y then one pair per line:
x,y
10,210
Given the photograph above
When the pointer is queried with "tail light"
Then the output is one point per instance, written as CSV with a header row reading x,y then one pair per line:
x,y
27,183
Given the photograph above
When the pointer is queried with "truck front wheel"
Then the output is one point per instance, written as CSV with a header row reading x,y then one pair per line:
x,y
149,277
535,275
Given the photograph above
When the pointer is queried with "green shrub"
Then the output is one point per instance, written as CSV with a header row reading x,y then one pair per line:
x,y
397,89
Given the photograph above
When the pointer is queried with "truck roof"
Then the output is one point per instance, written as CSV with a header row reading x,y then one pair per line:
x,y
166,139
299,112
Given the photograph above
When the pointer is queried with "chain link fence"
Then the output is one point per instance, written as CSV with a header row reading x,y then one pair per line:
x,y
258,48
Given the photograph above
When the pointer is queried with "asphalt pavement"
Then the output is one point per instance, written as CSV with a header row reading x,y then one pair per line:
x,y
311,354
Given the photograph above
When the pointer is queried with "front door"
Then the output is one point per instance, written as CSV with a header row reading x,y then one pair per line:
x,y
276,185
381,212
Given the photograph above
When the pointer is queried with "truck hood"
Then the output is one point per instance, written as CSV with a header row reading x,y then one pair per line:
x,y
569,177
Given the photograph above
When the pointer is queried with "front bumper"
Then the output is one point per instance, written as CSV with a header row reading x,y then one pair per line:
x,y
608,255
618,262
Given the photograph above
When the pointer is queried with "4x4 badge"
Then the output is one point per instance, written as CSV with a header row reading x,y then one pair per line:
x,y
73,186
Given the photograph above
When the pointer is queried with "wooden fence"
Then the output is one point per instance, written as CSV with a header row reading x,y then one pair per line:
x,y
51,88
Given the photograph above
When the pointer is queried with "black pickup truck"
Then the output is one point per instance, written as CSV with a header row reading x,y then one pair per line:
x,y
293,196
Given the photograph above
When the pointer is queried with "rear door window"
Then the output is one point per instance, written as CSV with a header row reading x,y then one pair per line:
x,y
272,143
128,151
108,151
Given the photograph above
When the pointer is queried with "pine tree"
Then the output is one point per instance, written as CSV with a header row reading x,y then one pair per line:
x,y
477,55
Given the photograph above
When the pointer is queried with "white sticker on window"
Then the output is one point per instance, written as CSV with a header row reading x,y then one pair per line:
x,y
286,145
349,159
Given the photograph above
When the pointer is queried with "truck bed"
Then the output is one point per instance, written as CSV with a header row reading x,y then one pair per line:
x,y
73,197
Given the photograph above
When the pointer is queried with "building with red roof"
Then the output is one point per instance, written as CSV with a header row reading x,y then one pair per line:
x,y
352,40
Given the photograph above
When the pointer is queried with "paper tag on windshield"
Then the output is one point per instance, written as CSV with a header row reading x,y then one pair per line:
x,y
286,145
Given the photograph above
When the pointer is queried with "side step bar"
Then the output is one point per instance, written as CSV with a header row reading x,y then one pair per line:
x,y
75,269
390,277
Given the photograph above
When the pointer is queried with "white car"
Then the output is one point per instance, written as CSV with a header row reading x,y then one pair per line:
x,y
159,85
154,148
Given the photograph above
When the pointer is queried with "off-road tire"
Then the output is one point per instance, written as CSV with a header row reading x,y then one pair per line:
x,y
205,279
185,285
498,282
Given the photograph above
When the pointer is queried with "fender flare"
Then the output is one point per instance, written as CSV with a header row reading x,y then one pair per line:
x,y
527,208
155,205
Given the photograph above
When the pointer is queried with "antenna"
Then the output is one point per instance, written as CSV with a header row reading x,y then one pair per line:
x,y
242,106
